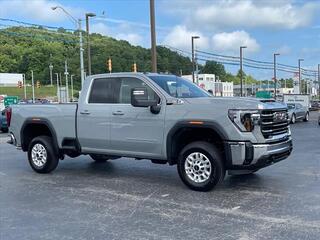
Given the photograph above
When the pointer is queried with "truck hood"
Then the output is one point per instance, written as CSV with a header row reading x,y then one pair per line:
x,y
235,103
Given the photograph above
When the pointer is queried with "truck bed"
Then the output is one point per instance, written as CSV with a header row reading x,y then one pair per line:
x,y
62,118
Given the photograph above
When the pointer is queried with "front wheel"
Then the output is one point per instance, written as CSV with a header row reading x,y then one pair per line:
x,y
306,118
200,166
41,155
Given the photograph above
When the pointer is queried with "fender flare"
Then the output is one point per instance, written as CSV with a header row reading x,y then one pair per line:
x,y
38,121
187,124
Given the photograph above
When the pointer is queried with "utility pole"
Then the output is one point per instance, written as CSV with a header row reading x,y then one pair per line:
x,y
275,73
81,55
67,84
50,68
241,72
24,86
197,68
285,83
32,82
71,79
58,88
193,56
88,15
319,81
153,38
299,64
78,25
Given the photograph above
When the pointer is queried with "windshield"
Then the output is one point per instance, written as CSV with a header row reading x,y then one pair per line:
x,y
179,87
290,106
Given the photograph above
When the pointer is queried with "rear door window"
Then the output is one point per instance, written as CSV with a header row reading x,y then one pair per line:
x,y
102,91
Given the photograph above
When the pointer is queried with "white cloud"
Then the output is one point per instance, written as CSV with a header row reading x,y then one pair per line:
x,y
133,38
36,10
231,41
284,50
180,37
211,15
120,32
100,28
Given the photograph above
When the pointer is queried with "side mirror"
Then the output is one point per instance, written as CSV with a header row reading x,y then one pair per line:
x,y
139,98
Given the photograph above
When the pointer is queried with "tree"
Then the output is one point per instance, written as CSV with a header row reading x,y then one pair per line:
x,y
23,49
212,67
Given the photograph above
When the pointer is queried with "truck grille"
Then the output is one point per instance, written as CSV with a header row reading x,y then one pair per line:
x,y
274,122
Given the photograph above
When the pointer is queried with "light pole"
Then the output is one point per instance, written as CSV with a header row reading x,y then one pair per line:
x,y
71,79
58,89
153,38
275,73
299,64
67,83
32,82
50,68
319,81
241,74
193,58
88,15
78,25
25,86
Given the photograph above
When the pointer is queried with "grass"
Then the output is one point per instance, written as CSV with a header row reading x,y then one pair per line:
x,y
42,92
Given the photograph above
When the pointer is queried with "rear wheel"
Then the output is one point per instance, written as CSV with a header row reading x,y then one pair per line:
x,y
99,158
41,155
306,118
200,166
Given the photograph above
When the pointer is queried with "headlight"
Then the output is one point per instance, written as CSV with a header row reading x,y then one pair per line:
x,y
245,120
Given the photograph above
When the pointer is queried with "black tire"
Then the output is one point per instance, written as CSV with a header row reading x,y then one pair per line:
x,y
213,155
99,158
293,119
52,158
306,117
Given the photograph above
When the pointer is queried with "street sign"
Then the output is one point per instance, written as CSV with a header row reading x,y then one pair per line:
x,y
9,100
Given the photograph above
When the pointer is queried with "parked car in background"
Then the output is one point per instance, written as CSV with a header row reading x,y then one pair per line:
x,y
3,121
297,112
315,105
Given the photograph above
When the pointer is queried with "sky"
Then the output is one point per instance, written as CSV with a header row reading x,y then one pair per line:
x,y
288,27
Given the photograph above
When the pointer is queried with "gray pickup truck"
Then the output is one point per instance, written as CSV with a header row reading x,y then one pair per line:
x,y
159,117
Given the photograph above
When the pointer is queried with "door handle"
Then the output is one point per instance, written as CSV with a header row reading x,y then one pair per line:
x,y
85,112
118,113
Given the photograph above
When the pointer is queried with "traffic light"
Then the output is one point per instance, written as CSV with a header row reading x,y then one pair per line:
x,y
19,84
38,84
109,65
134,67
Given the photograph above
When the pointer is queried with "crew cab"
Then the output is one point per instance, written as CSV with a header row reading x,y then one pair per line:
x,y
164,118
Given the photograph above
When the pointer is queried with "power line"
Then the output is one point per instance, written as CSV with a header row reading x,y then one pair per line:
x,y
225,59
33,24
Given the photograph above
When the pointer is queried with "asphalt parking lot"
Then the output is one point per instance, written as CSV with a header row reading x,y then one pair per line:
x,y
129,199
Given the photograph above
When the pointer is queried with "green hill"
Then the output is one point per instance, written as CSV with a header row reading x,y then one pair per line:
x,y
23,49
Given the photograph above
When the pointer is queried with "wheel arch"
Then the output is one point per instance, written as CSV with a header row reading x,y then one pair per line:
x,y
32,128
183,132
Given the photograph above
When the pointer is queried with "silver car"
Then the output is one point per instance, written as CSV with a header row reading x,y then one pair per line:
x,y
297,112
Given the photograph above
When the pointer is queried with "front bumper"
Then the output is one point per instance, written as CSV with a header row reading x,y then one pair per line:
x,y
245,155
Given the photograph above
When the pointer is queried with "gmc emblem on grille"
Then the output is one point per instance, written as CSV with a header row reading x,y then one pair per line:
x,y
279,116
